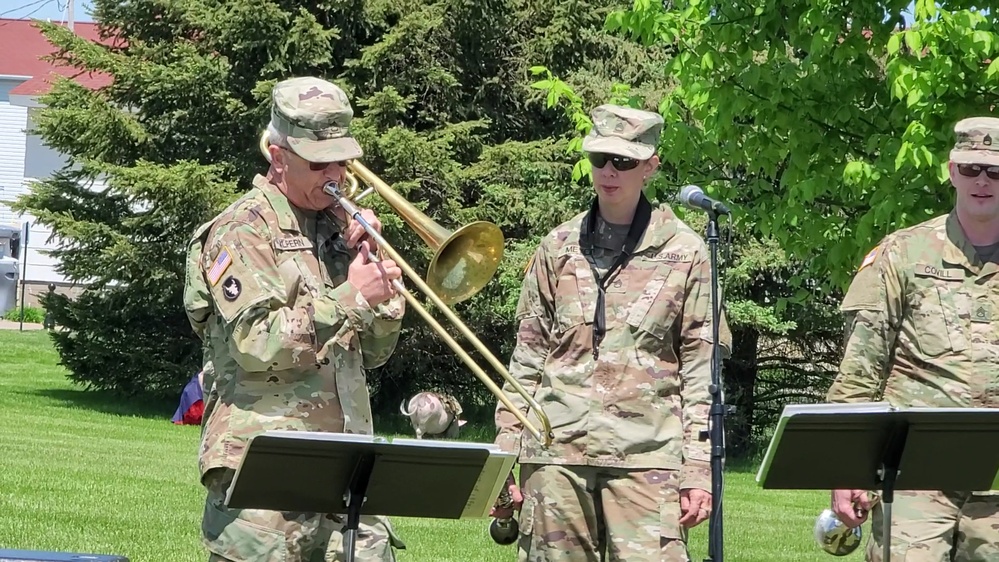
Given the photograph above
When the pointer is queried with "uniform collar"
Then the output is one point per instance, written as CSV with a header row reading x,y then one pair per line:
x,y
958,250
289,216
662,226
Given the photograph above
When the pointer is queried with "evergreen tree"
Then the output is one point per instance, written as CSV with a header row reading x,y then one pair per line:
x,y
168,143
443,107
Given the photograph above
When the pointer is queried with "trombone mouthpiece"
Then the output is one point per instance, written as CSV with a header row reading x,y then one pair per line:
x,y
331,188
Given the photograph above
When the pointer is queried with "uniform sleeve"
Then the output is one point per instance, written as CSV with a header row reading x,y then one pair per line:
x,y
535,311
264,332
379,341
872,308
197,297
696,337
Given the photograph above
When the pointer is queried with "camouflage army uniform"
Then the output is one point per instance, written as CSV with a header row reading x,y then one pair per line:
x,y
288,340
923,331
626,415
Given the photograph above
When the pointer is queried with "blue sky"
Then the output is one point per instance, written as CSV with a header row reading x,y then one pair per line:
x,y
56,9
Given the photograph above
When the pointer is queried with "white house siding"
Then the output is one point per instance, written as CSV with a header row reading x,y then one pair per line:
x,y
24,159
13,120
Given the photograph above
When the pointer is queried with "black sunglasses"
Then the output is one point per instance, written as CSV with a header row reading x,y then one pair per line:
x,y
975,170
620,163
317,166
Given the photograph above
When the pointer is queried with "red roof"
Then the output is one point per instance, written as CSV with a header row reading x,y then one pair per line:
x,y
23,47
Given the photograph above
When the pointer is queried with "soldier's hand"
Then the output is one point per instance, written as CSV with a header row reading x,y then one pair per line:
x,y
515,496
356,234
695,507
851,506
373,280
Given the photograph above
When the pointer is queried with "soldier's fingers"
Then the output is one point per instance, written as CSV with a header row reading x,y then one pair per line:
x,y
844,509
689,512
687,517
354,232
369,216
501,513
698,503
518,497
864,502
706,503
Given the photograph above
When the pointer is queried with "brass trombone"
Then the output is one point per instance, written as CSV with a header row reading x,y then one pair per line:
x,y
463,262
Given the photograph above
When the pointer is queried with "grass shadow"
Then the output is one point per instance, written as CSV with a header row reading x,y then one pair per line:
x,y
108,403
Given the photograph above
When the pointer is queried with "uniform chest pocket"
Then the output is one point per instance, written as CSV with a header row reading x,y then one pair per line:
x,y
575,295
300,272
938,308
657,304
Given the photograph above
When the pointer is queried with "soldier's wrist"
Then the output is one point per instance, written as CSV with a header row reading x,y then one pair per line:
x,y
351,306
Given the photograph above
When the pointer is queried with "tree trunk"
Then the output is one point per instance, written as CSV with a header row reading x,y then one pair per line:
x,y
740,381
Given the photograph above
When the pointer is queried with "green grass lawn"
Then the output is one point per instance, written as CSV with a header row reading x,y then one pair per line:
x,y
81,472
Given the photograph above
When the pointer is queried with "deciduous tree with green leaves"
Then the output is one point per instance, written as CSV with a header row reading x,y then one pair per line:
x,y
828,125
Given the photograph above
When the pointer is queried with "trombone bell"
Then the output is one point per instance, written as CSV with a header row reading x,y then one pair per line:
x,y
464,261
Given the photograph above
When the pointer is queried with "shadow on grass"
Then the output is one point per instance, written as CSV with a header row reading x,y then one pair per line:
x,y
108,403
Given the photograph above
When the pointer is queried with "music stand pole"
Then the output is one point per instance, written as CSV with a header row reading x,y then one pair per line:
x,y
887,473
354,498
716,423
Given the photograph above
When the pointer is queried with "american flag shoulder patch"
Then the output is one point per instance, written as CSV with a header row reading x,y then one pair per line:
x,y
222,263
869,258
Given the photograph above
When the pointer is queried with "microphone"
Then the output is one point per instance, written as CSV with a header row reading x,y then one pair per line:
x,y
694,197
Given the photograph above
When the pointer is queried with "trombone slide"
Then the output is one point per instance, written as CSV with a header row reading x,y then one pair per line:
x,y
545,437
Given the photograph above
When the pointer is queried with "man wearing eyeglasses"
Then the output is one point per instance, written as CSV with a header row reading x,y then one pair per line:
x,y
614,341
923,330
293,312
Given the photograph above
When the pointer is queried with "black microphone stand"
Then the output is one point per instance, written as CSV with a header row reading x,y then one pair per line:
x,y
716,418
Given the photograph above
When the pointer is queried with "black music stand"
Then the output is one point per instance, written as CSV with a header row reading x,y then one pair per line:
x,y
875,446
7,555
366,475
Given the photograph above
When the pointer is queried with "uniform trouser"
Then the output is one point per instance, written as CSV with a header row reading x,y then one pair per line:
x,y
938,527
573,513
257,535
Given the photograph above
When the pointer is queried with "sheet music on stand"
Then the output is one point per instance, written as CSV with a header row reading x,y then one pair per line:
x,y
877,446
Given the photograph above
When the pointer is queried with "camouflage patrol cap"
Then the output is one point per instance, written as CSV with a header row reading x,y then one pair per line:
x,y
624,131
977,141
315,115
